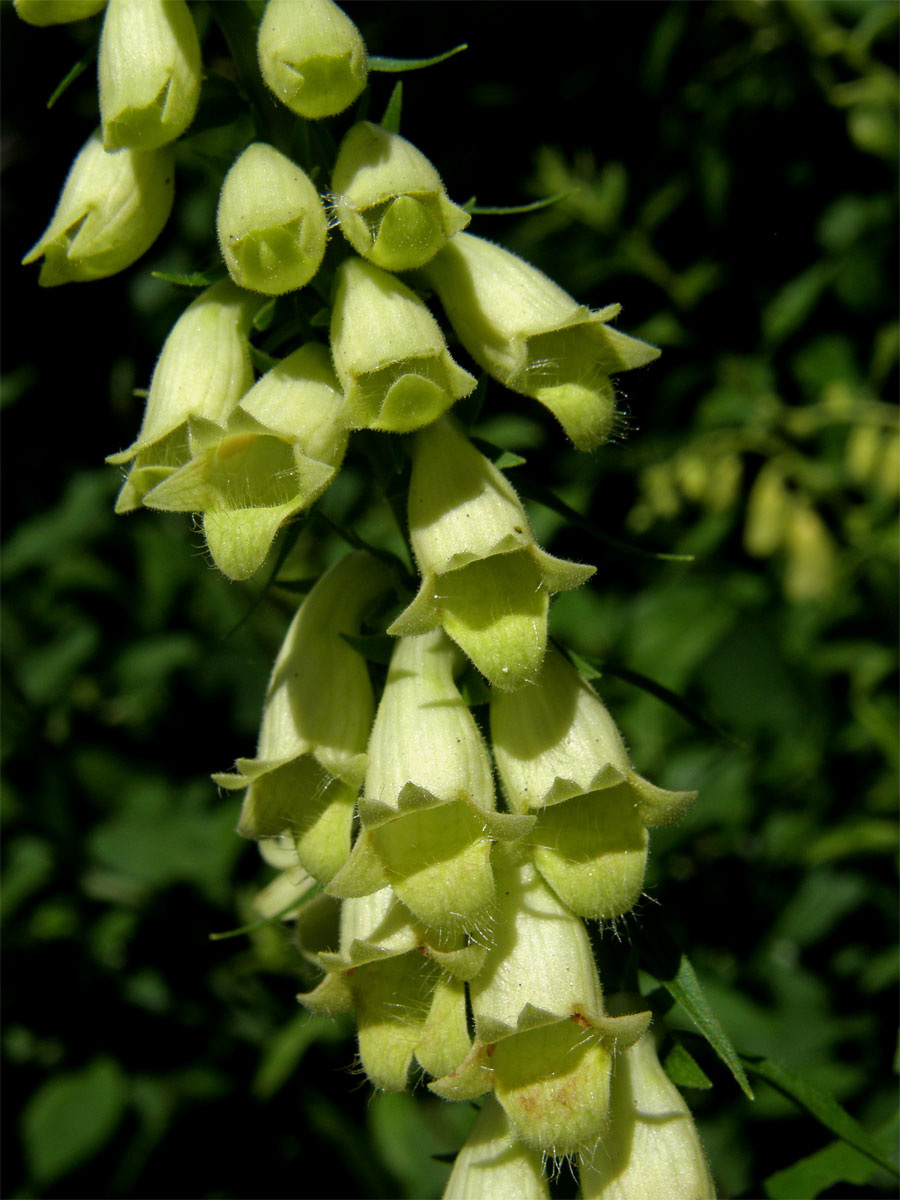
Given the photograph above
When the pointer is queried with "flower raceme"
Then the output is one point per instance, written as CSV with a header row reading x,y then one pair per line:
x,y
531,336
484,579
149,72
390,203
112,208
281,448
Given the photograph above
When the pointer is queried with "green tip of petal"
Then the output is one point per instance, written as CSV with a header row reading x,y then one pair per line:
x,y
553,1083
495,609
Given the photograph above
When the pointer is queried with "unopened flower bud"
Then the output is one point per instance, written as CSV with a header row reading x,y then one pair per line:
x,y
318,712
493,1163
202,372
282,447
56,12
533,337
811,555
543,1041
271,223
312,56
390,201
484,579
651,1147
389,353
112,208
149,71
428,807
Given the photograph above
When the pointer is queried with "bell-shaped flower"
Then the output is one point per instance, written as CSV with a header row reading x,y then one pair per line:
x,y
311,758
561,757
282,447
271,222
312,56
149,72
111,211
389,353
651,1147
493,1163
56,12
203,371
484,579
405,989
389,199
533,337
543,1041
428,809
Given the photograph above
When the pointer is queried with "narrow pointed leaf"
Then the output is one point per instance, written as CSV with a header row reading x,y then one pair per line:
x,y
380,62
820,1105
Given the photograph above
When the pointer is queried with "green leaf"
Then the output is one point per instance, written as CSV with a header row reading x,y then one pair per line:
x,y
684,1070
379,62
515,209
820,1105
72,74
265,315
664,959
262,361
252,926
793,303
507,459
68,1119
810,1176
391,119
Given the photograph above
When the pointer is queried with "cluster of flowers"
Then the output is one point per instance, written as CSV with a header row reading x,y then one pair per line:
x,y
437,907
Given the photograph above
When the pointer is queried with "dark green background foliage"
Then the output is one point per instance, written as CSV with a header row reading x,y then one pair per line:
x,y
735,174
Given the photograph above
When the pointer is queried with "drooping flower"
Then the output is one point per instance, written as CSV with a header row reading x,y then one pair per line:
x,y
405,987
270,222
319,706
312,56
149,72
389,353
281,448
112,208
484,578
651,1146
389,199
543,1041
493,1163
428,810
203,371
561,758
533,337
